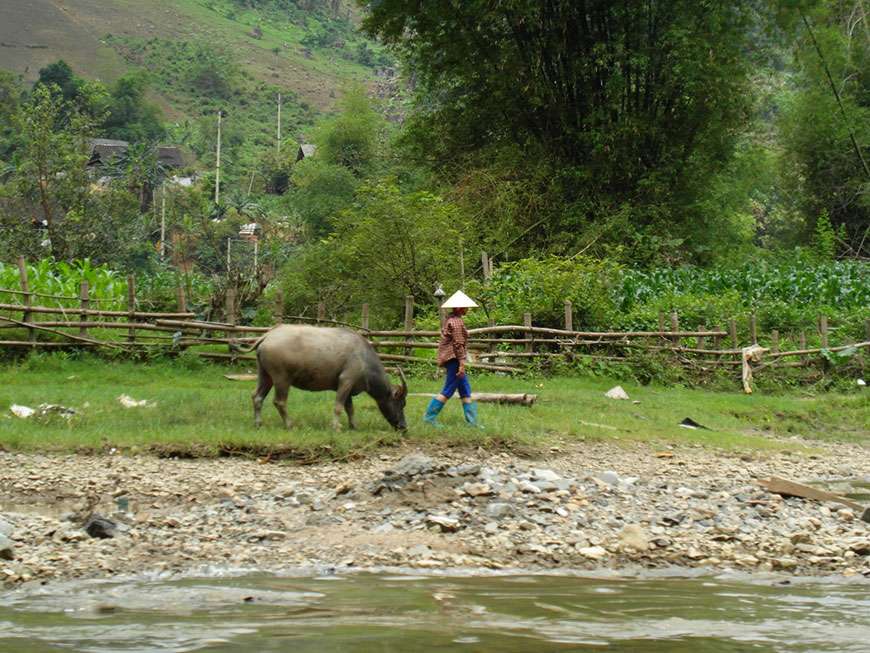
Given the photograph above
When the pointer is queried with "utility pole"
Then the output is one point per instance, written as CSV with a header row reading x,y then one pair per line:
x,y
217,176
462,262
163,224
229,252
256,252
279,123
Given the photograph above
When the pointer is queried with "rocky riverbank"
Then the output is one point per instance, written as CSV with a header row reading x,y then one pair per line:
x,y
584,505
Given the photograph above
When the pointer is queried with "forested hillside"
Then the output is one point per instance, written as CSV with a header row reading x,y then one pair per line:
x,y
590,148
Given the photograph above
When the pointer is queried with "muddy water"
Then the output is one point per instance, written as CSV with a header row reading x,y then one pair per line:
x,y
475,613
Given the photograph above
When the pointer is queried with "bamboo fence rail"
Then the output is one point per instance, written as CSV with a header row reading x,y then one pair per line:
x,y
509,348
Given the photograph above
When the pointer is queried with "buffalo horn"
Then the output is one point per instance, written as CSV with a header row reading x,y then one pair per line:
x,y
404,381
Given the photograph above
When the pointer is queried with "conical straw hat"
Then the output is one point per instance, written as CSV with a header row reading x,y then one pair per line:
x,y
459,300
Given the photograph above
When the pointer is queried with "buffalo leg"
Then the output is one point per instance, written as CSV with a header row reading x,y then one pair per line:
x,y
348,408
264,384
280,401
342,397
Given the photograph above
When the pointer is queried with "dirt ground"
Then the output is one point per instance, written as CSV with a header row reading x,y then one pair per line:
x,y
582,505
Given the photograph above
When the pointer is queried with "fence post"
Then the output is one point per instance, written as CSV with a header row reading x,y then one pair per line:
x,y
28,300
753,329
569,315
487,271
732,330
84,302
409,321
131,306
702,341
181,298
675,326
717,340
364,319
230,309
823,330
661,321
321,312
802,344
527,322
278,314
774,341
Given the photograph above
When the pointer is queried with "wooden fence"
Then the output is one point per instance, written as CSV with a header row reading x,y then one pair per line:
x,y
500,348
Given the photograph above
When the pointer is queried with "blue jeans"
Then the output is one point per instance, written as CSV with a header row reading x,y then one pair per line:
x,y
453,383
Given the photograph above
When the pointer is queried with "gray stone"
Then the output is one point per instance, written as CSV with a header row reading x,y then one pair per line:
x,y
411,465
528,487
545,486
593,552
498,510
6,528
610,477
100,527
545,475
6,548
477,489
447,524
464,470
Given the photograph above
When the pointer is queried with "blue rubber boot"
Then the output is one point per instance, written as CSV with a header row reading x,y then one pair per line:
x,y
470,411
432,411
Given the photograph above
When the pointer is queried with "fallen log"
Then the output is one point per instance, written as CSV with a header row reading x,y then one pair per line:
x,y
492,398
791,489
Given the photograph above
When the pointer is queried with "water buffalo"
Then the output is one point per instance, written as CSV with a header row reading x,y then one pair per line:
x,y
318,358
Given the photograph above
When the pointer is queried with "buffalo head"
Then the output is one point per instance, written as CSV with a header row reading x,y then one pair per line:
x,y
393,405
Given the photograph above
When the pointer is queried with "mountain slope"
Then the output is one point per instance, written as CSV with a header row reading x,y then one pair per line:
x,y
268,45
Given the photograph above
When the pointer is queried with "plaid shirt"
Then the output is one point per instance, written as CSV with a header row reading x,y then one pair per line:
x,y
454,337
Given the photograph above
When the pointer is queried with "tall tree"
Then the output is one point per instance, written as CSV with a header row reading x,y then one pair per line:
x,y
50,171
636,104
826,122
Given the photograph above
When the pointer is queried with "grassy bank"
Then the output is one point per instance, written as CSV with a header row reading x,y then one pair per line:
x,y
199,412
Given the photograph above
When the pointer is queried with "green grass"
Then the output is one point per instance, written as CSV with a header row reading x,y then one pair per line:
x,y
199,412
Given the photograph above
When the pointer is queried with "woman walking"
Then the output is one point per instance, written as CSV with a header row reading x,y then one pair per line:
x,y
452,352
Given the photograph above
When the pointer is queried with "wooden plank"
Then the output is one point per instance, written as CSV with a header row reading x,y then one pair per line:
x,y
131,306
66,311
409,320
524,399
181,298
788,488
84,302
241,377
28,299
527,323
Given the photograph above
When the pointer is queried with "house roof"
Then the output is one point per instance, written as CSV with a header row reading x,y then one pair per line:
x,y
170,156
306,151
103,150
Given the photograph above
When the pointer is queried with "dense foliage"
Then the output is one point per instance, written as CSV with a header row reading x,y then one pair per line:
x,y
631,158
106,287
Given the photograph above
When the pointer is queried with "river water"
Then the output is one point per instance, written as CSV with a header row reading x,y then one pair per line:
x,y
387,612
